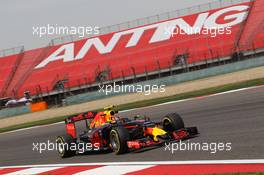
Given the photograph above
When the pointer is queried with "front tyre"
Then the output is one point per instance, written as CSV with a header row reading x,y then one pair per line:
x,y
172,122
63,146
118,140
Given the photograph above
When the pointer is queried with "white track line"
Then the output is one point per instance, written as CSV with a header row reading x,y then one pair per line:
x,y
114,170
33,127
32,171
241,161
161,104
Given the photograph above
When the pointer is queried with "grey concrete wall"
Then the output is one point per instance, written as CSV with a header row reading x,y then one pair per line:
x,y
7,112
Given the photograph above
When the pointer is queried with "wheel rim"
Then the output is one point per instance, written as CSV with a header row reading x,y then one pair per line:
x,y
167,125
60,146
114,142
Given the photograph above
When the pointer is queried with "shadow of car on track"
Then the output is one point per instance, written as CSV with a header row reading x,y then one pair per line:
x,y
133,151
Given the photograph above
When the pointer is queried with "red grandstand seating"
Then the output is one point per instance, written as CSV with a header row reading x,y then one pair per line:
x,y
7,68
253,33
122,60
25,64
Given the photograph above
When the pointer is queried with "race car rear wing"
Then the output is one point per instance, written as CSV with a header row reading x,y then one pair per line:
x,y
79,117
70,122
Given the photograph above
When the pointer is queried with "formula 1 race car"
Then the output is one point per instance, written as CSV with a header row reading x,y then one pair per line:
x,y
120,134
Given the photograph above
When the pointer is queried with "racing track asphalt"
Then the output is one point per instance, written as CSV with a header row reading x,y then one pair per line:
x,y
236,117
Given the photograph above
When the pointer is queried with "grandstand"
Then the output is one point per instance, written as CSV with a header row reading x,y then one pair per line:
x,y
135,51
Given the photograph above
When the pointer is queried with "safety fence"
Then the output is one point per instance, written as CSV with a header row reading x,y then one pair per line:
x,y
11,51
152,19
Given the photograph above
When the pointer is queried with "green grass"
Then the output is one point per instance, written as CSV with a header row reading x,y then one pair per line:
x,y
144,103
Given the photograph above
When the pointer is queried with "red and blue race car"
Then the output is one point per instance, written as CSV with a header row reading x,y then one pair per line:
x,y
106,131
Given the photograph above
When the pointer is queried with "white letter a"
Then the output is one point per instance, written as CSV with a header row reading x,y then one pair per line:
x,y
68,55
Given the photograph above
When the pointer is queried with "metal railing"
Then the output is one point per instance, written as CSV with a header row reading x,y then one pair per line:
x,y
151,20
11,51
135,23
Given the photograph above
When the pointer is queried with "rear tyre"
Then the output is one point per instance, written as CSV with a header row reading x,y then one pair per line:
x,y
63,146
172,122
118,140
